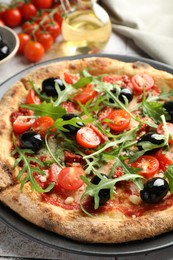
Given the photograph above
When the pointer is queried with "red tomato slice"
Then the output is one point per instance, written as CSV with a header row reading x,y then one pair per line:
x,y
69,178
149,165
103,138
70,78
160,130
120,120
85,95
87,137
42,124
140,81
164,160
32,98
22,124
53,173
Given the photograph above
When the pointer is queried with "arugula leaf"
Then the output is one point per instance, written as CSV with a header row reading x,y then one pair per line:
x,y
82,82
63,95
164,95
27,170
46,109
93,189
169,174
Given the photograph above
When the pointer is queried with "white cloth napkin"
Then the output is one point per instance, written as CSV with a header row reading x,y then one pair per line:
x,y
149,23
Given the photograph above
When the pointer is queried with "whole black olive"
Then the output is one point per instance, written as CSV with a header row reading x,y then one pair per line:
x,y
4,50
31,140
154,190
48,86
72,129
169,108
125,92
150,137
104,194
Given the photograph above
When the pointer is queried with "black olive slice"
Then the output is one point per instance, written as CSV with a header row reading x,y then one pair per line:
x,y
104,194
48,86
31,140
150,137
125,92
72,129
154,190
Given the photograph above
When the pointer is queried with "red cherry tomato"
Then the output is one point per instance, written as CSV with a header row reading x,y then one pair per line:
x,y
42,124
53,29
99,133
39,18
42,4
149,165
1,22
22,124
12,17
70,78
85,95
160,130
45,39
69,178
28,27
58,17
53,173
87,137
164,160
32,98
141,81
28,11
120,120
23,39
34,51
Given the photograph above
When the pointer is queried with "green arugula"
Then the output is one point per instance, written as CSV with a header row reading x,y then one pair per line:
x,y
154,110
26,173
169,175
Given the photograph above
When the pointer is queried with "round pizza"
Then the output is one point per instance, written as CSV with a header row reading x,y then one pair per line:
x,y
87,149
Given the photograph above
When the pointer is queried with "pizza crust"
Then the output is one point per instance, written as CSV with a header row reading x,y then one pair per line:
x,y
104,228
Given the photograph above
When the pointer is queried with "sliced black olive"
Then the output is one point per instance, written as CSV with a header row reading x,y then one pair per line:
x,y
72,129
4,50
31,140
48,86
154,190
150,137
125,92
104,194
169,108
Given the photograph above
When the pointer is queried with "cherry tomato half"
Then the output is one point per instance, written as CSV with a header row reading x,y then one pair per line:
x,y
140,81
164,160
22,124
85,95
53,173
23,39
42,124
149,165
69,178
87,137
120,120
12,17
160,130
32,98
70,78
33,51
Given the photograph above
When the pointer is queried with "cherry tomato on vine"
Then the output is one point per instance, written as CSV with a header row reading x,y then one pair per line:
x,y
32,98
22,124
42,124
85,95
140,81
69,178
34,51
120,120
28,27
164,159
87,137
58,17
12,17
53,29
39,18
45,39
149,165
28,11
42,4
23,39
160,130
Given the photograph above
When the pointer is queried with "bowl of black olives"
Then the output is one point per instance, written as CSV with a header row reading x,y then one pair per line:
x,y
9,43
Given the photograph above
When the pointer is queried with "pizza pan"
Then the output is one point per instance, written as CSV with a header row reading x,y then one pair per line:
x,y
57,242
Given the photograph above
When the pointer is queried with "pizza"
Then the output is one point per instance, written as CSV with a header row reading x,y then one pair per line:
x,y
86,149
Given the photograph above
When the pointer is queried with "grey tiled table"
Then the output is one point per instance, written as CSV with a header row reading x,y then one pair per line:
x,y
16,246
